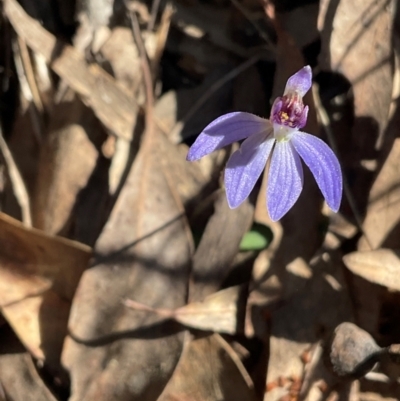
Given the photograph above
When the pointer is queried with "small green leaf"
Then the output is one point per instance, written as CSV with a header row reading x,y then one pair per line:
x,y
258,238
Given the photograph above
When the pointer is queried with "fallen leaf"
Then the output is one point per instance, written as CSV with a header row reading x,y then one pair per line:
x,y
192,181
143,253
218,246
19,379
221,312
381,225
121,52
207,372
381,266
354,31
69,156
38,278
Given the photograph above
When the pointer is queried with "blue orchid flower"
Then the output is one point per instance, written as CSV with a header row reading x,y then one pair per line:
x,y
280,136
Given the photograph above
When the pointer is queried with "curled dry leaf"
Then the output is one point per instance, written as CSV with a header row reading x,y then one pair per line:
x,y
38,278
144,253
381,266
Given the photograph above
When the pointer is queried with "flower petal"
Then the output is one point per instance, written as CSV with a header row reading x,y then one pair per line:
x,y
223,131
245,167
300,82
285,180
324,165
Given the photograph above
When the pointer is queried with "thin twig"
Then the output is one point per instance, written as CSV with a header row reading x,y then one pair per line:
x,y
27,90
325,121
30,75
174,134
20,192
144,60
153,14
138,306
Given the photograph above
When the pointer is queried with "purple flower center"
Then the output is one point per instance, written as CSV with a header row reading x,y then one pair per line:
x,y
289,111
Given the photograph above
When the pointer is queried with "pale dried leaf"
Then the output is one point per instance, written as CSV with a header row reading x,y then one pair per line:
x,y
38,278
354,31
121,52
381,225
221,312
381,266
68,159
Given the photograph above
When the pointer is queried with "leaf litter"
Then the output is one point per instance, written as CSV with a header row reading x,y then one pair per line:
x,y
124,274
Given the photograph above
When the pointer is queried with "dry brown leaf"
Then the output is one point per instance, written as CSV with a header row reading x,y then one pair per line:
x,y
381,225
19,379
381,266
218,246
191,179
221,312
371,396
121,52
354,30
209,371
68,160
115,108
38,278
143,253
